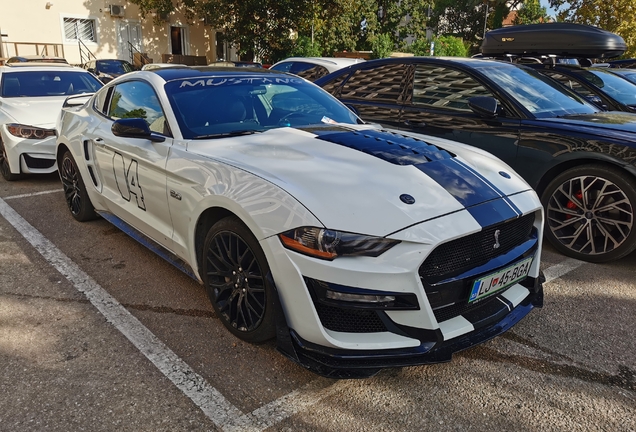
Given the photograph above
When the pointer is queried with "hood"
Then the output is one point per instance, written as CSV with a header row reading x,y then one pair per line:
x,y
33,111
609,121
370,181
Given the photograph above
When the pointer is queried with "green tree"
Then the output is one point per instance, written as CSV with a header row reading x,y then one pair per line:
x,y
450,46
304,47
531,12
617,16
382,46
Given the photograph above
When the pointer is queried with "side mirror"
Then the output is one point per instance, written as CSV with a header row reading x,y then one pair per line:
x,y
485,106
134,128
353,109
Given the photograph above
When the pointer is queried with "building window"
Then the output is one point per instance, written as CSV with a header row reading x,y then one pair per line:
x,y
79,29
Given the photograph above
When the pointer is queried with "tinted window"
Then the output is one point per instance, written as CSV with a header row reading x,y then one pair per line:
x,y
308,71
137,99
539,94
617,87
113,66
381,84
214,106
283,67
441,87
48,83
570,83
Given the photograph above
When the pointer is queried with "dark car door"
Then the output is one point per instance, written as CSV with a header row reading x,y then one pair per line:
x,y
436,103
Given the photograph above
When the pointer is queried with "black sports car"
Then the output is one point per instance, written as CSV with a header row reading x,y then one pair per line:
x,y
580,160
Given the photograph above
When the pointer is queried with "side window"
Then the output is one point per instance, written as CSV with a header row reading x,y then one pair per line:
x,y
570,83
283,67
380,84
100,100
441,87
308,71
137,99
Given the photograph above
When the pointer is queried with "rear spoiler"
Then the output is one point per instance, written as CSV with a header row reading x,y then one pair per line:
x,y
72,101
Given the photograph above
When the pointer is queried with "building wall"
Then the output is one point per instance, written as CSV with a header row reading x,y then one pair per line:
x,y
41,21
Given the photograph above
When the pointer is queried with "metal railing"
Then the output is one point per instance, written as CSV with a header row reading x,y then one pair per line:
x,y
33,48
141,57
84,53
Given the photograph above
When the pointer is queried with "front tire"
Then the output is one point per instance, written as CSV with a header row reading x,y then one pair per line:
x,y
590,213
235,275
5,169
75,193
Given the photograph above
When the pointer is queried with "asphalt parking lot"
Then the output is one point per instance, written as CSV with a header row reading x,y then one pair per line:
x,y
98,333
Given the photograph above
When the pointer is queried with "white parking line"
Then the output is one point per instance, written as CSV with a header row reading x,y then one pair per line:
x,y
558,270
33,194
207,398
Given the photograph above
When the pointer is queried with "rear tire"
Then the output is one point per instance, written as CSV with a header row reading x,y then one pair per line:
x,y
235,275
590,213
75,193
5,170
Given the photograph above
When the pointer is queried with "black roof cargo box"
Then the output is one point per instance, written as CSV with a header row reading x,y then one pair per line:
x,y
560,39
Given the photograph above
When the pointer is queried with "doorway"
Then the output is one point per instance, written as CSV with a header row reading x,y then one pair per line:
x,y
130,39
179,41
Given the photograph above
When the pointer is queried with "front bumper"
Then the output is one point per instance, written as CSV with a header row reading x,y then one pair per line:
x,y
29,156
346,364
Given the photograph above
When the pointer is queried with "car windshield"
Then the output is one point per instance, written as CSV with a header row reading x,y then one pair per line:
x,y
221,106
540,95
113,66
48,83
616,87
627,74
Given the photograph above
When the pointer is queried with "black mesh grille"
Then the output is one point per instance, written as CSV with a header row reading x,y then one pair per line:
x,y
37,162
349,320
457,256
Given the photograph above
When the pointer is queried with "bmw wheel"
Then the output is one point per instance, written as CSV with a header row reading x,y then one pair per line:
x,y
590,213
235,274
5,170
74,190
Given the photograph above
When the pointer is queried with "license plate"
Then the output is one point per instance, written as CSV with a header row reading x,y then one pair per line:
x,y
499,280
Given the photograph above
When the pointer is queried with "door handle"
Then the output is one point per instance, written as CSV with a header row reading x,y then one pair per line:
x,y
414,124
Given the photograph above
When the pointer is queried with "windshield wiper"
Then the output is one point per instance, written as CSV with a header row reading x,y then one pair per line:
x,y
228,134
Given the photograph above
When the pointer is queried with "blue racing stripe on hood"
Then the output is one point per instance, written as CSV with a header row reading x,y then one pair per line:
x,y
391,147
483,200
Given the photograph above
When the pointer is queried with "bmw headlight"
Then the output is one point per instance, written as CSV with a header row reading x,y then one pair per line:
x,y
329,244
29,132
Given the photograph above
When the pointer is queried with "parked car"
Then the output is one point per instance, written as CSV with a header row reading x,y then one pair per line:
x,y
578,159
108,69
359,248
600,86
151,66
312,68
35,58
628,74
237,64
31,96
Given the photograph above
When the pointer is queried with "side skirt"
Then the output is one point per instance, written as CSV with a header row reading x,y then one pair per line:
x,y
150,244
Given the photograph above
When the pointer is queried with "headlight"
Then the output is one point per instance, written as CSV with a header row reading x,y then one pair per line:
x,y
329,244
29,132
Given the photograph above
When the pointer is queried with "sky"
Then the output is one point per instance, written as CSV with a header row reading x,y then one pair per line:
x,y
546,4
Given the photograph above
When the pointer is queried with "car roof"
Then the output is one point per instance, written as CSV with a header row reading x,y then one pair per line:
x,y
36,58
176,73
324,61
39,67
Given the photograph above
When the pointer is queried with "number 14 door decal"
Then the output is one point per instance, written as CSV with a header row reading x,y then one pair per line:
x,y
127,180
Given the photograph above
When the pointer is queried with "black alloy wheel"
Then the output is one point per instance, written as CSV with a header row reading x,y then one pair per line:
x,y
74,190
235,274
590,213
5,170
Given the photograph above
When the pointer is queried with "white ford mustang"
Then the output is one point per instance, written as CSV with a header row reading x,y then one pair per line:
x,y
358,248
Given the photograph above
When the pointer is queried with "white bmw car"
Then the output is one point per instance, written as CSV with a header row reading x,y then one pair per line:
x,y
31,97
358,248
